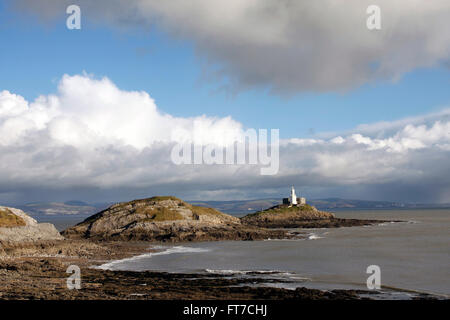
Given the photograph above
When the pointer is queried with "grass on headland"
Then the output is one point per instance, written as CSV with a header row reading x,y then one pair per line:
x,y
283,209
166,214
10,220
159,214
200,211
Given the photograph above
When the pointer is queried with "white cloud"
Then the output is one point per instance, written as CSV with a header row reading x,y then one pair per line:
x,y
288,46
91,139
89,113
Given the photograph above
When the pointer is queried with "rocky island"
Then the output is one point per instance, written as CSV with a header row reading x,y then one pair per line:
x,y
302,216
294,212
167,219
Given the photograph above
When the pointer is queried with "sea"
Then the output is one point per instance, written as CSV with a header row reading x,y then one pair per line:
x,y
413,256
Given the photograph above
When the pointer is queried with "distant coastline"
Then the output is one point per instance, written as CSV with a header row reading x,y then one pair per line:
x,y
239,208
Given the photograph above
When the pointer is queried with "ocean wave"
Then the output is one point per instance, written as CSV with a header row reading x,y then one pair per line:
x,y
165,250
387,223
296,239
301,279
247,272
314,236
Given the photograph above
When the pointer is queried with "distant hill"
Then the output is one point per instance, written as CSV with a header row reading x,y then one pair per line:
x,y
76,203
62,209
234,207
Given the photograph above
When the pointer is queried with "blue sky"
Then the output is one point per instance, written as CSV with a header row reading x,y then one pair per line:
x,y
34,56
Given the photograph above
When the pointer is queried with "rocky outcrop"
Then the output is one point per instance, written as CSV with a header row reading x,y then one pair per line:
x,y
17,226
285,216
305,216
165,219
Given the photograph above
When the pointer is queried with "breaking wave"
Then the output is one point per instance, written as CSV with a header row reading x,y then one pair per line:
x,y
314,236
177,249
248,272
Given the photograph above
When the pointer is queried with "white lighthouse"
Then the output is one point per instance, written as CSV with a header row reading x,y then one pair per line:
x,y
293,200
293,197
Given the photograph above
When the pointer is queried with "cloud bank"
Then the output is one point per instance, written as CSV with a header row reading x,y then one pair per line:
x,y
96,142
286,46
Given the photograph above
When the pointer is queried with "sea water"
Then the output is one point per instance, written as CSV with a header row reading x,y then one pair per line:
x,y
412,255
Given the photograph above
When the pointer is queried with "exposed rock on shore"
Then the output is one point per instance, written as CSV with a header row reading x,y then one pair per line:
x,y
16,226
166,219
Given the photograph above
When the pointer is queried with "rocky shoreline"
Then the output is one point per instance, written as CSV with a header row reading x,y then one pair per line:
x,y
37,271
319,223
42,275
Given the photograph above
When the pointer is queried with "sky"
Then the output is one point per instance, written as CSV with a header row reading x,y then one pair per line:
x,y
91,114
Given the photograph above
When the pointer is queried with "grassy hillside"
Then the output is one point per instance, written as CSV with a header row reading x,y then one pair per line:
x,y
10,220
283,209
198,210
159,214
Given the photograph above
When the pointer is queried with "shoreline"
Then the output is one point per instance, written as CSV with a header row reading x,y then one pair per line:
x,y
42,275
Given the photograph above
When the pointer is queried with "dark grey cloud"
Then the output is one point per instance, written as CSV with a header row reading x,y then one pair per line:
x,y
286,46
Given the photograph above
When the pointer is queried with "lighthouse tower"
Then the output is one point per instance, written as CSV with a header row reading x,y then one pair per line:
x,y
293,200
293,197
